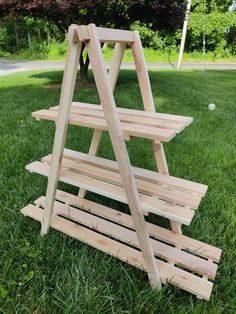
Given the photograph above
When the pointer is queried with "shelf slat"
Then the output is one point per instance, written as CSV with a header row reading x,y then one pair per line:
x,y
165,209
147,175
165,251
181,241
132,116
169,273
135,123
154,189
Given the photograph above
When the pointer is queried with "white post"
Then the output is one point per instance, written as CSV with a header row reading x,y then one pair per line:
x,y
181,50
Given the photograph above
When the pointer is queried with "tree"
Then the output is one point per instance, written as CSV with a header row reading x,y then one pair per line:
x,y
215,20
165,14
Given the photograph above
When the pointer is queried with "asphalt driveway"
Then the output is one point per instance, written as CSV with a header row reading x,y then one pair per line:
x,y
8,67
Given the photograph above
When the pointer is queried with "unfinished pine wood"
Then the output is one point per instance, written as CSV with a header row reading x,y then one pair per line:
x,y
106,34
129,116
117,139
108,230
148,103
179,197
168,273
130,129
96,139
116,63
119,232
112,75
147,175
148,203
154,116
68,85
95,111
167,236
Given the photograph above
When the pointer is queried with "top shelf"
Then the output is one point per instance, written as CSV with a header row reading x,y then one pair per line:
x,y
159,127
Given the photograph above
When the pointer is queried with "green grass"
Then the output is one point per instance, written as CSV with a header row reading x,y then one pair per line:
x,y
159,56
150,56
57,274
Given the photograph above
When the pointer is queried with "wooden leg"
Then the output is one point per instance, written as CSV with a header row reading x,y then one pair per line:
x,y
163,168
160,157
67,91
96,139
146,92
175,227
117,139
113,75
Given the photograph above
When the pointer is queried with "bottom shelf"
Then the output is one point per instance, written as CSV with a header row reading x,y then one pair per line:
x,y
102,227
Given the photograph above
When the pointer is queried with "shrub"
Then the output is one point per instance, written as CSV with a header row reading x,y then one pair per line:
x,y
149,37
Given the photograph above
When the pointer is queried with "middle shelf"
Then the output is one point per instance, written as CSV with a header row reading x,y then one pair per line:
x,y
135,123
167,196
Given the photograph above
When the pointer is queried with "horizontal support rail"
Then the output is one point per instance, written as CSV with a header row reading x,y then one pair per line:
x,y
106,34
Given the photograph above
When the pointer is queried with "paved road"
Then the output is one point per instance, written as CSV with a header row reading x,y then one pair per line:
x,y
8,67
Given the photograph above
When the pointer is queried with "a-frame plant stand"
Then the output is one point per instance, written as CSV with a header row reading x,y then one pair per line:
x,y
166,255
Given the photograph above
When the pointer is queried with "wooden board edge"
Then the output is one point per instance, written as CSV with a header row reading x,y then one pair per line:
x,y
169,273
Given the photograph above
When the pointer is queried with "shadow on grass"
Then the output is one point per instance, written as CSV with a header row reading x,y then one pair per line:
x,y
57,274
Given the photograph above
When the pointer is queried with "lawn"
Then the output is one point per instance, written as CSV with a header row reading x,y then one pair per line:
x,y
58,52
56,274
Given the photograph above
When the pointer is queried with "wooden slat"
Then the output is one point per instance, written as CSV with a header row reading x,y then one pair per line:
x,y
147,175
196,247
180,278
106,34
183,198
169,253
151,204
146,120
140,113
130,129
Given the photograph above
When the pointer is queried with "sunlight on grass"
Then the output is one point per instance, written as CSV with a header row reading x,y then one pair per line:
x,y
57,274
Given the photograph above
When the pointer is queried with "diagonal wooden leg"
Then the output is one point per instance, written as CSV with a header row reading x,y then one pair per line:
x,y
117,139
67,91
113,75
160,158
148,102
96,140
163,168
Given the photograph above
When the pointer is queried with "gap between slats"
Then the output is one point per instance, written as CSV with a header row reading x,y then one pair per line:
x,y
169,273
181,258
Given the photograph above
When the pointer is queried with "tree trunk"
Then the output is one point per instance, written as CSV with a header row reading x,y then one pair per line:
x,y
83,73
48,32
29,41
17,36
84,64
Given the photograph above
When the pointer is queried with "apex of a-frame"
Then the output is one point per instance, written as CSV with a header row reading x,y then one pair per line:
x,y
104,34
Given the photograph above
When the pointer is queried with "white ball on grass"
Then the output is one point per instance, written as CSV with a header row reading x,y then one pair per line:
x,y
211,106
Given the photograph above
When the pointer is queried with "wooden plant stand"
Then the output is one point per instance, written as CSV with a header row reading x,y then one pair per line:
x,y
166,255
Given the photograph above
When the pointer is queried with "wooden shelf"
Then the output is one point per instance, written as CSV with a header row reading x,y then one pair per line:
x,y
167,196
102,227
135,123
166,255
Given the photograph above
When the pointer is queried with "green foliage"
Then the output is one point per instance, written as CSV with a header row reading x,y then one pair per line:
x,y
3,35
148,36
54,50
198,6
216,26
42,39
